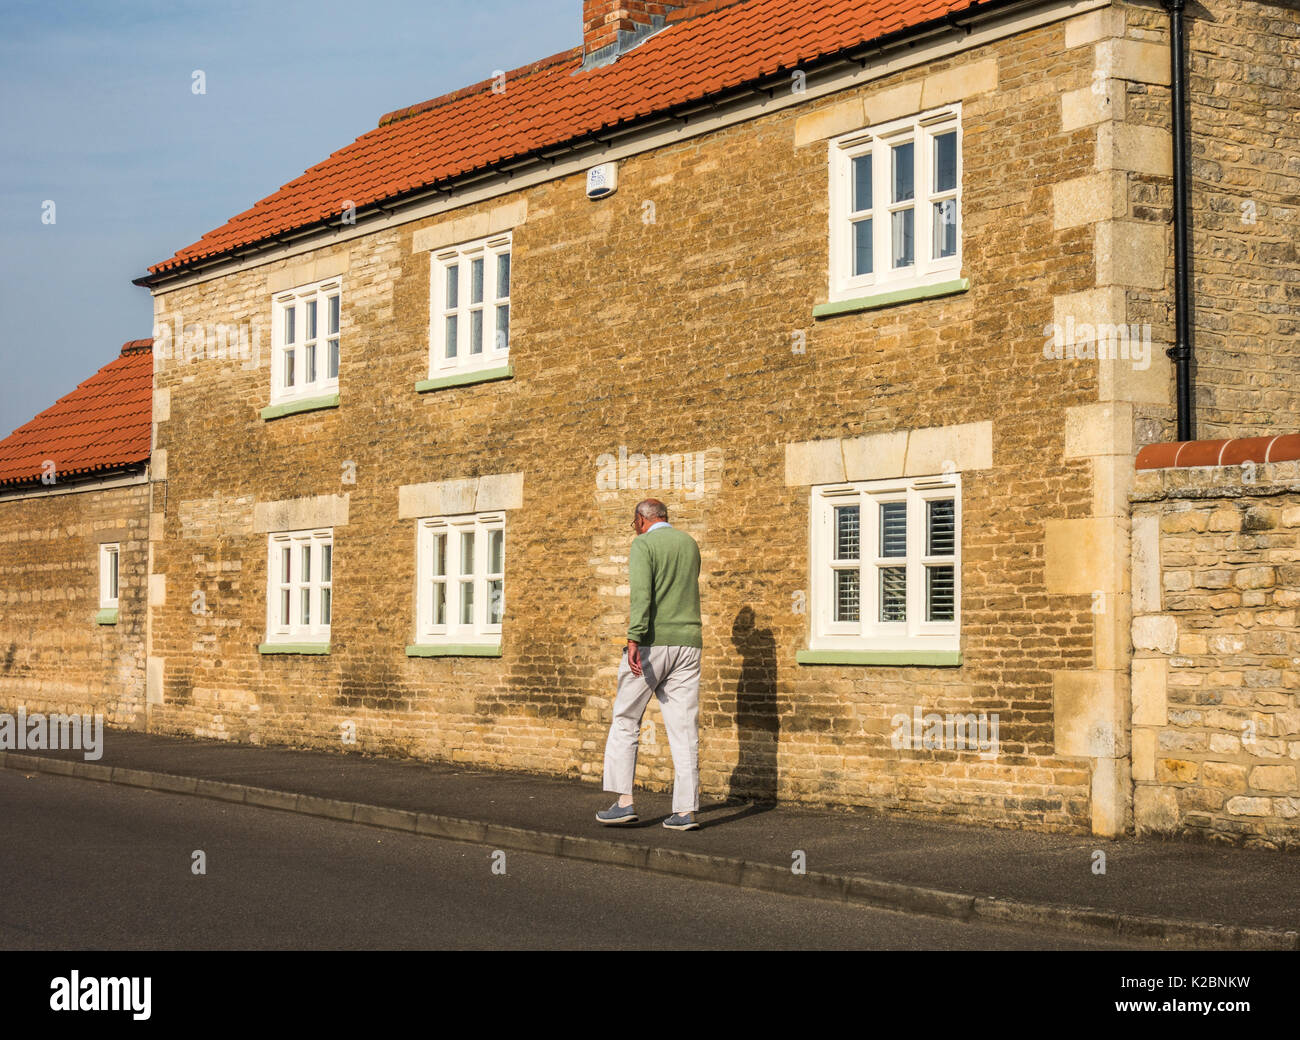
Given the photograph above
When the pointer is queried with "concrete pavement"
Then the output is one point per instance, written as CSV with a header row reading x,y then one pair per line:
x,y
1182,894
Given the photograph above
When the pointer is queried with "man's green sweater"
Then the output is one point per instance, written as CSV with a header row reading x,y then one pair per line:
x,y
664,567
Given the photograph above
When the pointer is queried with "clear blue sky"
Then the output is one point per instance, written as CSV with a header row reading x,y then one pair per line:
x,y
97,114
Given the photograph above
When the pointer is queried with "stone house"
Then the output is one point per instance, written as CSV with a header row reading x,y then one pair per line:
x,y
875,295
74,548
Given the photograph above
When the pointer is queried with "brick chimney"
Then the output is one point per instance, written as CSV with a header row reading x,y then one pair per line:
x,y
613,27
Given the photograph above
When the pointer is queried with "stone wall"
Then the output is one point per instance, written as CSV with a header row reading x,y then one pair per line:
x,y
1216,679
1244,123
53,654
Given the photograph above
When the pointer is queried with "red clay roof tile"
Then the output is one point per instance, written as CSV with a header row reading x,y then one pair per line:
x,y
549,102
1180,454
104,424
1247,449
1283,448
1200,453
1157,456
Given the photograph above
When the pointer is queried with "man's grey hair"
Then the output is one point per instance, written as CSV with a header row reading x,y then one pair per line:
x,y
652,509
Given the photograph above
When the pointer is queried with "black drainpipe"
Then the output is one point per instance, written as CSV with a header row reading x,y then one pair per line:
x,y
1181,351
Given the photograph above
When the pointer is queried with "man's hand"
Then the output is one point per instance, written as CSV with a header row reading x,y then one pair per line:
x,y
634,657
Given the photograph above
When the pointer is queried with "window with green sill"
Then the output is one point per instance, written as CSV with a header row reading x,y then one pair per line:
x,y
460,564
895,197
886,569
300,588
469,311
110,566
306,344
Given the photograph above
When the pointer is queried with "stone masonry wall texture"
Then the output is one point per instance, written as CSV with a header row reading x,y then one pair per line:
x,y
53,655
1244,122
670,336
1216,680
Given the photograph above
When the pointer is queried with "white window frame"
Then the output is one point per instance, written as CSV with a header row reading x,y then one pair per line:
x,y
299,299
321,578
480,631
110,575
878,141
495,341
869,633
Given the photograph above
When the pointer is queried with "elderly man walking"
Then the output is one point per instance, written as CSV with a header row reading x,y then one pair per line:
x,y
662,659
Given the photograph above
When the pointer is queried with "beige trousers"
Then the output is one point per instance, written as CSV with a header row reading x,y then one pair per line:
x,y
671,673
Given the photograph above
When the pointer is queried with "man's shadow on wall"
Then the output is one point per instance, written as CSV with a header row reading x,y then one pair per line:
x,y
754,780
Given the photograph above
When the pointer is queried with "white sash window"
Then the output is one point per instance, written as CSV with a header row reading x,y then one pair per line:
x,y
461,569
886,559
896,205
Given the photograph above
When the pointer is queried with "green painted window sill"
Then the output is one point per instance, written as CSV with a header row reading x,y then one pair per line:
x,y
454,650
107,616
293,648
483,375
310,404
925,658
890,299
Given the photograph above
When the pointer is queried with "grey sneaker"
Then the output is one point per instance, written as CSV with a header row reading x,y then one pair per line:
x,y
682,822
616,814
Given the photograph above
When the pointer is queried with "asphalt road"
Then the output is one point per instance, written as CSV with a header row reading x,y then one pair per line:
x,y
95,866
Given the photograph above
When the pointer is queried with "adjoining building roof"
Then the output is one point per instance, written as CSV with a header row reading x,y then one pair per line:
x,y
706,49
103,425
